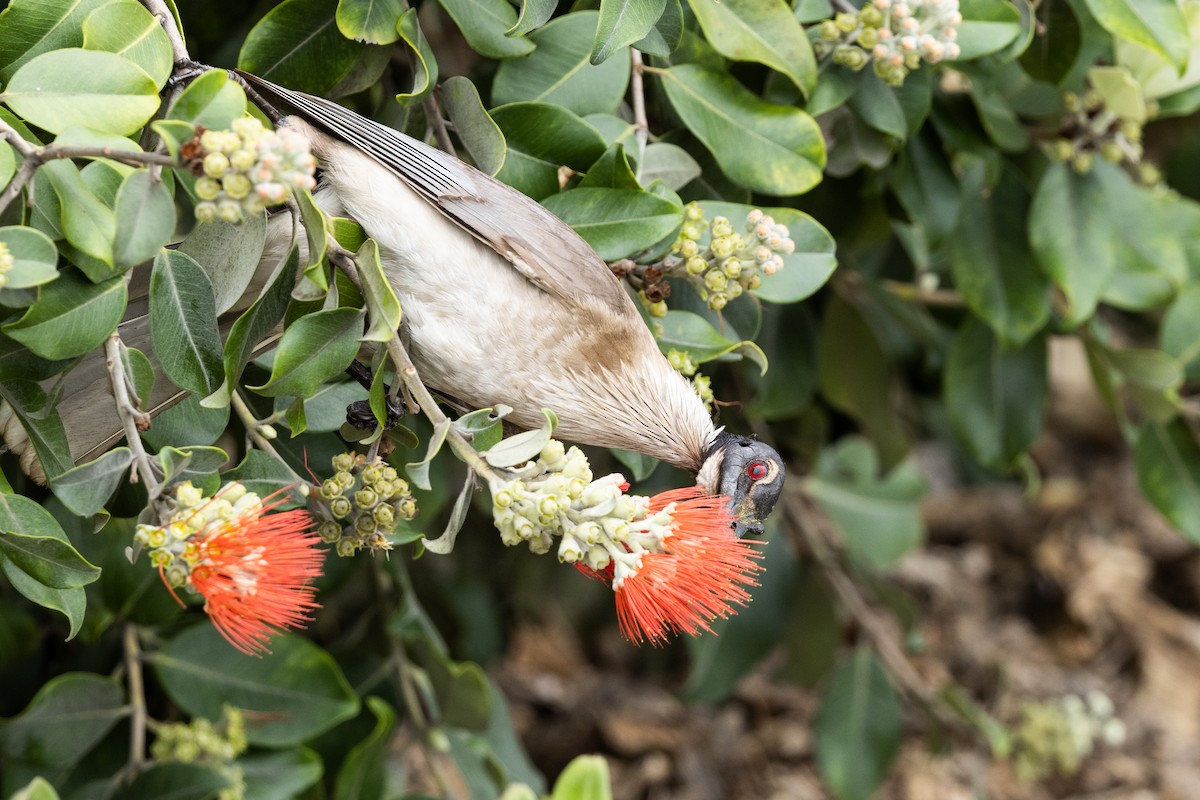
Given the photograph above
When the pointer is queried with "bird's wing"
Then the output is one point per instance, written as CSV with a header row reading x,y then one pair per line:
x,y
538,244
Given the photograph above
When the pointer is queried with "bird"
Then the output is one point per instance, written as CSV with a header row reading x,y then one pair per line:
x,y
505,304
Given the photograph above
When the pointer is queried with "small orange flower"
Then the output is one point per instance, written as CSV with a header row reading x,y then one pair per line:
x,y
255,573
702,573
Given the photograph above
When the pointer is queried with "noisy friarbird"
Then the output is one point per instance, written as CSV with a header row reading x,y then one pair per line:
x,y
505,304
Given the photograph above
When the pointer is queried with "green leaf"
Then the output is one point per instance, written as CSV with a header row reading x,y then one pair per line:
x,y
880,516
145,219
987,26
86,488
1156,24
694,335
772,149
183,323
1167,459
212,100
670,164
617,223
444,544
70,317
35,258
190,422
362,775
37,789
995,396
263,474
992,263
1179,334
257,321
318,242
764,31
534,14
476,129
1120,93
229,254
383,306
522,447
371,21
663,39
559,72
129,30
1151,241
1052,52
89,88
418,472
315,348
1070,229
29,28
858,729
295,692
584,778
621,23
489,27
1157,76
282,775
482,427
48,560
325,410
44,427
542,137
298,44
425,68
177,781
877,105
88,223
68,716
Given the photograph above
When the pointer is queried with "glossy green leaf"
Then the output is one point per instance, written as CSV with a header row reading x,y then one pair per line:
x,y
664,38
68,716
177,781
70,317
264,474
1167,459
315,348
444,544
765,31
129,30
769,148
880,516
534,14
42,424
1156,24
21,514
35,258
145,219
1179,335
859,727
995,396
298,44
559,72
48,560
229,254
86,488
584,778
212,100
542,137
485,25
692,334
987,26
383,306
476,129
281,775
992,263
522,447
617,223
425,68
1151,243
89,88
1156,75
183,323
296,691
362,775
29,28
87,221
621,23
37,789
371,21
1052,52
670,164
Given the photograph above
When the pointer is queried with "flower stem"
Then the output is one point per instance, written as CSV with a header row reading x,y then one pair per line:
x,y
131,418
137,698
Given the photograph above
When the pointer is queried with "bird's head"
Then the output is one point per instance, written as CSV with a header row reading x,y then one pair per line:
x,y
746,471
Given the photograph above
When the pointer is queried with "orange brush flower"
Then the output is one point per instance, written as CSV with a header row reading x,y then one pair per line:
x,y
255,573
701,573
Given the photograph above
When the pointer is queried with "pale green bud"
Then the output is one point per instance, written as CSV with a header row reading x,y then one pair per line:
x,y
658,309
242,160
384,515
330,531
365,523
343,462
236,185
206,211
846,21
330,489
688,248
717,301
366,498
731,267
696,265
344,478
715,280
693,213
341,507
216,165
346,548
207,188
828,30
229,211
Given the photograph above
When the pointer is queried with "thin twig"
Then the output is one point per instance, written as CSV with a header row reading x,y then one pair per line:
x,y
131,417
254,430
165,18
940,298
846,5
433,115
637,90
137,699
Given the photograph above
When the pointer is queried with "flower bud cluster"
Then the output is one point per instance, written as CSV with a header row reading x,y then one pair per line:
x,y
361,504
6,263
734,262
174,547
1055,736
701,384
201,742
893,35
1090,130
597,525
247,168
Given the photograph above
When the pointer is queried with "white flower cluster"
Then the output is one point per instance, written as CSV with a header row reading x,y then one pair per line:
x,y
172,545
6,263
1055,736
370,497
734,262
597,523
249,168
896,35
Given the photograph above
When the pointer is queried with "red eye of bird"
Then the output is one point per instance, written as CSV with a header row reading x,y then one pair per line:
x,y
756,470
